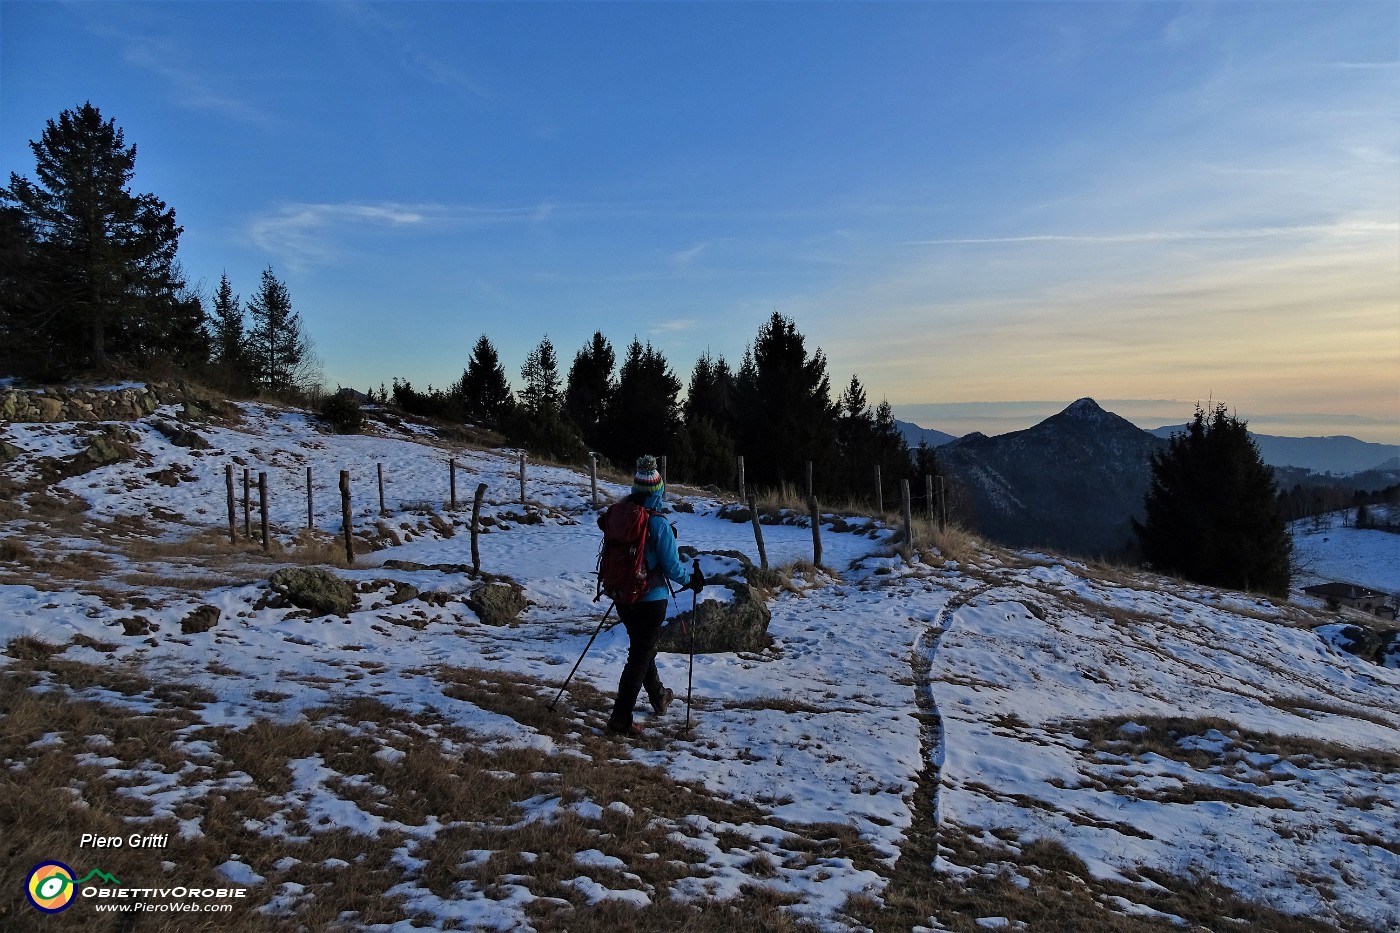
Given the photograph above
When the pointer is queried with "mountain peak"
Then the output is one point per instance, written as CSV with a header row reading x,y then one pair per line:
x,y
1085,408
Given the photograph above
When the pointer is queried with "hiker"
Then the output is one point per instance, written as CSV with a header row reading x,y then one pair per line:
x,y
644,617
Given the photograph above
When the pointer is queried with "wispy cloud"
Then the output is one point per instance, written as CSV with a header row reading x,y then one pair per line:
x,y
672,327
309,234
192,85
412,57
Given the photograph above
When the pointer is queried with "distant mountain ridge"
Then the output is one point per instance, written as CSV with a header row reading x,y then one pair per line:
x,y
1337,454
913,434
1073,482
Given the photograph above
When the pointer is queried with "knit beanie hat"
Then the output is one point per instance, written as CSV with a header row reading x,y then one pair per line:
x,y
647,479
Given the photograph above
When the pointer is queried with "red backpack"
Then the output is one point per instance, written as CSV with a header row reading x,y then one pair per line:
x,y
622,562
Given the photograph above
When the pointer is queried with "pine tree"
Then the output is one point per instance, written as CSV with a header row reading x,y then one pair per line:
x,y
644,415
484,392
785,409
705,452
1212,509
855,437
104,257
541,395
590,387
890,447
539,422
278,350
230,341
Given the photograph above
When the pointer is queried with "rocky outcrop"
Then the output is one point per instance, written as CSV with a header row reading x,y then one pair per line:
x,y
200,619
317,590
181,436
126,403
1381,648
497,602
119,403
741,624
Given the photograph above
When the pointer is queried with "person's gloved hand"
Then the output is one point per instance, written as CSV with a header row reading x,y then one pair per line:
x,y
697,581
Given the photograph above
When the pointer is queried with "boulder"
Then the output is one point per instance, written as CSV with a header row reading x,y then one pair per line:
x,y
1353,639
320,591
497,602
181,437
1388,655
201,619
738,625
50,408
112,445
135,625
8,452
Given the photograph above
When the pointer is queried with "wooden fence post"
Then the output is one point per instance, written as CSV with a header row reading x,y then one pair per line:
x,y
232,509
928,495
816,530
452,483
262,505
906,508
942,504
742,493
476,528
879,492
345,518
757,532
379,467
522,477
593,477
310,513
809,479
247,503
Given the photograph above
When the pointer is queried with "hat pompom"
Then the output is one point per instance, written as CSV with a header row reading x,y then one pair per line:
x,y
647,478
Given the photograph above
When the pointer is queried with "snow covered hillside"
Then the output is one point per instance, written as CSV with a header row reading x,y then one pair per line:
x,y
979,739
1331,549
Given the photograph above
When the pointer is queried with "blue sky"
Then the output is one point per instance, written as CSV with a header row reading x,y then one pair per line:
x,y
985,210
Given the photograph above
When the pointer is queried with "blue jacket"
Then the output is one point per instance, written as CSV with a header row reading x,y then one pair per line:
x,y
661,554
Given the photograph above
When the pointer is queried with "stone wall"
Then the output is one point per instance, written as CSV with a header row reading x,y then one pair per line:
x,y
126,403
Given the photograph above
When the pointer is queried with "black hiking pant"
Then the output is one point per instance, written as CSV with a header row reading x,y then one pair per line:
x,y
643,622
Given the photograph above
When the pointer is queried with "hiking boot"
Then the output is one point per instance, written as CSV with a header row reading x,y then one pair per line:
x,y
630,729
659,705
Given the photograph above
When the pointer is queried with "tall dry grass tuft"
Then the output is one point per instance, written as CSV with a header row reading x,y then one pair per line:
x,y
938,544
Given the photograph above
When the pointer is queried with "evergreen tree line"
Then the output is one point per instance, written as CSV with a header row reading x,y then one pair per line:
x,y
89,278
776,410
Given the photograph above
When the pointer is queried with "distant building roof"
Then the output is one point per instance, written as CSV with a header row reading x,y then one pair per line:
x,y
1341,591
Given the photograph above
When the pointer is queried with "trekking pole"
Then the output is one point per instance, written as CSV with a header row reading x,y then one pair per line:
x,y
596,631
690,677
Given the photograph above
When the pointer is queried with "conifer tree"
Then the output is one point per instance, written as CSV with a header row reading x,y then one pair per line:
x,y
230,341
104,257
590,388
541,394
785,409
539,422
706,452
644,415
485,394
1212,509
278,350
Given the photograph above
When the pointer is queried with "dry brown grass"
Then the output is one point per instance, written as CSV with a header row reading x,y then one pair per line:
x,y
1163,735
392,764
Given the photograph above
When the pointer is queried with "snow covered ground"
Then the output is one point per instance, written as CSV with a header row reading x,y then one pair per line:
x,y
1154,731
1334,550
